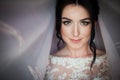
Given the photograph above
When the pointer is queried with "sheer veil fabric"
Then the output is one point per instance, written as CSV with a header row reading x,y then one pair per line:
x,y
103,41
40,41
111,51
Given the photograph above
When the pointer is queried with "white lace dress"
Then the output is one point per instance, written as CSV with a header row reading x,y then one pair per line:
x,y
63,68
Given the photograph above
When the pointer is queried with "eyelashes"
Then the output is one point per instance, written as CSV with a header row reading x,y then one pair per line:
x,y
82,22
66,22
85,23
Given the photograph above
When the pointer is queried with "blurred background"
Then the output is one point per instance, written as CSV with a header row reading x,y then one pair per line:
x,y
21,22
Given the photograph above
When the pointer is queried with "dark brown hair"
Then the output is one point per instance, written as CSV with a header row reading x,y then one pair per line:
x,y
93,9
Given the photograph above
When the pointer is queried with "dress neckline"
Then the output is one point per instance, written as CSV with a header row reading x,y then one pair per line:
x,y
61,57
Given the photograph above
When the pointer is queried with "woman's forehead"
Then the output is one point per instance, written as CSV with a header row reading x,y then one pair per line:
x,y
75,12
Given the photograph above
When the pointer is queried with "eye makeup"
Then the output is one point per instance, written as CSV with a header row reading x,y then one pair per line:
x,y
83,22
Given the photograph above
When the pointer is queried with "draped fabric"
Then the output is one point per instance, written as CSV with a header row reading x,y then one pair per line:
x,y
27,31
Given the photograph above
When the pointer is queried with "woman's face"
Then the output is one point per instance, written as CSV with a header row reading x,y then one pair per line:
x,y
75,26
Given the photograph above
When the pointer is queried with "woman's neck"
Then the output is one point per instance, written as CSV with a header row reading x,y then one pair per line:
x,y
81,52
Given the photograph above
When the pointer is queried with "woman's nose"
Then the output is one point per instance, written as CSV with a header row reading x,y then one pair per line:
x,y
76,30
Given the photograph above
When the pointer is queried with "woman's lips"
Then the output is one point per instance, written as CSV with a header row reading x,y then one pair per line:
x,y
75,40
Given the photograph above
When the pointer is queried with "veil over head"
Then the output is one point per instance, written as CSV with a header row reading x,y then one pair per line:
x,y
34,29
103,40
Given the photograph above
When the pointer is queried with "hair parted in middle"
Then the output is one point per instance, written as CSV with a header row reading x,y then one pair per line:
x,y
93,9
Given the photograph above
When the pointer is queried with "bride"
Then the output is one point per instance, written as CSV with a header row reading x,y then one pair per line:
x,y
77,57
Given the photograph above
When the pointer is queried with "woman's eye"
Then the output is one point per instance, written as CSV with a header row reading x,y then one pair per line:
x,y
85,23
66,22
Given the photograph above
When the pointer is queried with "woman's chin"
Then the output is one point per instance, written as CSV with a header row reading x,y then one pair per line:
x,y
76,46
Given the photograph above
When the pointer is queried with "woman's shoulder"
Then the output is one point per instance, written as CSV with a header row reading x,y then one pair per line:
x,y
100,53
101,57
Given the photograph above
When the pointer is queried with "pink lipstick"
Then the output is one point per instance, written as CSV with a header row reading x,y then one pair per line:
x,y
75,40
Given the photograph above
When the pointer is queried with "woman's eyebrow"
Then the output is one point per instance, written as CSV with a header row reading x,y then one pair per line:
x,y
85,19
66,18
80,20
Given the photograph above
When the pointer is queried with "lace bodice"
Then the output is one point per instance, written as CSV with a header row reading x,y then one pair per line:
x,y
62,68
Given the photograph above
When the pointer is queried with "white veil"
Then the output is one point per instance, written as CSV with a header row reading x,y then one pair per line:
x,y
111,51
103,40
35,33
